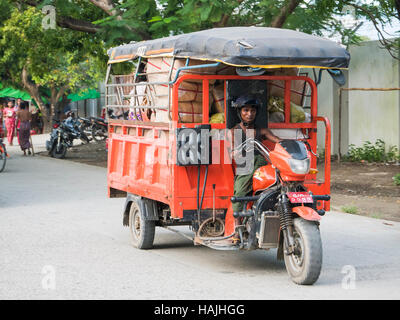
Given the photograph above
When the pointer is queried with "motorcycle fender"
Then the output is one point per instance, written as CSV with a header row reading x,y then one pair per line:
x,y
307,213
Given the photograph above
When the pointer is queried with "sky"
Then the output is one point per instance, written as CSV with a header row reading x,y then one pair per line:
x,y
367,29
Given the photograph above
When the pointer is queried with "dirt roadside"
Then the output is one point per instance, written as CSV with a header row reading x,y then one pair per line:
x,y
356,188
366,189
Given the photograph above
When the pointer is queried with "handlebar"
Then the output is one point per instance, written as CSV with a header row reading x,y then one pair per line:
x,y
254,144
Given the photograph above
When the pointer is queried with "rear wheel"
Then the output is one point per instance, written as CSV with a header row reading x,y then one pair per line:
x,y
304,265
142,231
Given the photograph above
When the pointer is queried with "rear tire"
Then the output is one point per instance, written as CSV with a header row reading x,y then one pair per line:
x,y
142,231
304,266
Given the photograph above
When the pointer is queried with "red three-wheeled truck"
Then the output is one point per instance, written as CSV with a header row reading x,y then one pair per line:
x,y
171,114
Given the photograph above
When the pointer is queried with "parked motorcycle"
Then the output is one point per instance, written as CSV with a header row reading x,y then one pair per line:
x,y
86,126
76,129
99,129
63,135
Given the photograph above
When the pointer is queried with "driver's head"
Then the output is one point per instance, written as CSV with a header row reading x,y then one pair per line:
x,y
248,114
247,107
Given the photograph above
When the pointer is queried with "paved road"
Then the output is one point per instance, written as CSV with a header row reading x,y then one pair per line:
x,y
62,238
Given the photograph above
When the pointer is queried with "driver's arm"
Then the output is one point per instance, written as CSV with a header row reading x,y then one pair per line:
x,y
269,135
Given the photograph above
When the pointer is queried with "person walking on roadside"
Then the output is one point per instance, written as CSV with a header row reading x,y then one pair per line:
x,y
9,116
17,105
24,117
17,123
2,128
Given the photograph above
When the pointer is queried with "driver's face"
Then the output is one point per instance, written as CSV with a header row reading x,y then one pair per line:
x,y
248,113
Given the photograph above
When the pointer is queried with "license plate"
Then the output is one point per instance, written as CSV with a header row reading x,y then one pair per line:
x,y
300,197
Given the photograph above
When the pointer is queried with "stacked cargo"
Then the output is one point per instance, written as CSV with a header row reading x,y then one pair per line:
x,y
190,93
276,104
157,92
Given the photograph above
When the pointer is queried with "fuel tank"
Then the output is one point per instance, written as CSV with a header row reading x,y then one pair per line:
x,y
264,177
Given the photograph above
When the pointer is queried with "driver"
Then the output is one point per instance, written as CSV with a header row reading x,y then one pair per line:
x,y
247,107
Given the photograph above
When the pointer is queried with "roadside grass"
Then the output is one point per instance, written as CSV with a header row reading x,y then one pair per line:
x,y
373,152
376,215
396,179
349,209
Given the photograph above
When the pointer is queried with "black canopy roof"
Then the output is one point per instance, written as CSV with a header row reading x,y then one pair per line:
x,y
243,47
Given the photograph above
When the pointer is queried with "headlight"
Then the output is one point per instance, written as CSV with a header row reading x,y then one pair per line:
x,y
300,166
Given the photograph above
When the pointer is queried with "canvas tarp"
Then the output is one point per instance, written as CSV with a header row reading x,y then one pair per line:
x,y
256,47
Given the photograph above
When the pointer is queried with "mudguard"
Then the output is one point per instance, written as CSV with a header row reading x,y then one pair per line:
x,y
147,206
307,213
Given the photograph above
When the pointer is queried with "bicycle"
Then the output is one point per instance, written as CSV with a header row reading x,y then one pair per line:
x,y
3,155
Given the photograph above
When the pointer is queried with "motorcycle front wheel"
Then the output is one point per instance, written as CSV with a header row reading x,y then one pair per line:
x,y
304,265
59,152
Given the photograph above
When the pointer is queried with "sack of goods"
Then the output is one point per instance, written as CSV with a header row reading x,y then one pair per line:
x,y
276,113
277,104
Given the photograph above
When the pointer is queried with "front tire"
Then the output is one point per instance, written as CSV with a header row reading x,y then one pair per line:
x,y
60,153
99,133
142,231
304,265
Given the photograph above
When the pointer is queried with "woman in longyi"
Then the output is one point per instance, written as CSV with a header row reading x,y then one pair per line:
x,y
24,116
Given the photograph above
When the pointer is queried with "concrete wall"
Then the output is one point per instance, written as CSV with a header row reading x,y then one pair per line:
x,y
373,114
365,115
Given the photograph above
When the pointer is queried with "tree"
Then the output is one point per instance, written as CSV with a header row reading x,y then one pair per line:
x,y
34,58
57,58
121,21
313,16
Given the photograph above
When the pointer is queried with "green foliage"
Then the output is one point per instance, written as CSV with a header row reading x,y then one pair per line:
x,y
121,68
65,57
166,17
53,58
396,179
373,152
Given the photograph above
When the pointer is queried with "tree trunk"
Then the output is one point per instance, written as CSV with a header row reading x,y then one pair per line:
x,y
286,11
56,95
33,90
